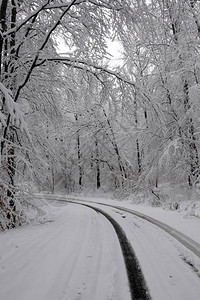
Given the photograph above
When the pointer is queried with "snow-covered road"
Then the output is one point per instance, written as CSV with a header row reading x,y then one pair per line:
x,y
78,256
171,271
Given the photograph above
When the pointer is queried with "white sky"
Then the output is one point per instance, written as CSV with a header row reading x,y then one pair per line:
x,y
115,49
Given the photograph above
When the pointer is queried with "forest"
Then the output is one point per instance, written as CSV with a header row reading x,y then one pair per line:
x,y
74,118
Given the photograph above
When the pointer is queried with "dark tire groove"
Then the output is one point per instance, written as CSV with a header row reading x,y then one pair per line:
x,y
137,284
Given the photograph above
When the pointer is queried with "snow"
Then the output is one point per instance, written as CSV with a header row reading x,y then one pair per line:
x,y
77,255
183,221
13,108
162,259
70,258
14,111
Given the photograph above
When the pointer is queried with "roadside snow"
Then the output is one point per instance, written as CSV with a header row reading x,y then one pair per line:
x,y
180,220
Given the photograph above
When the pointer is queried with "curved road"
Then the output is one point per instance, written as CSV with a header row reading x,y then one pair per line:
x,y
137,284
171,270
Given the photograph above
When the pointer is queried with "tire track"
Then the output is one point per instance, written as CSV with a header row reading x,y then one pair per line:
x,y
137,284
181,237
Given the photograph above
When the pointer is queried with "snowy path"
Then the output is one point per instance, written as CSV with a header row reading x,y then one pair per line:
x,y
77,256
171,271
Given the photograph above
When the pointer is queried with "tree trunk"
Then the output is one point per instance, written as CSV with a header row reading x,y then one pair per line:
x,y
79,155
7,70
3,10
97,166
115,146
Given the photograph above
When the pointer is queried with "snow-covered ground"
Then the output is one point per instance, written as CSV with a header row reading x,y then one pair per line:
x,y
184,219
171,271
76,255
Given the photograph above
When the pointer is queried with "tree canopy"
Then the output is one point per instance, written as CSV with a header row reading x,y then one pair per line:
x,y
73,120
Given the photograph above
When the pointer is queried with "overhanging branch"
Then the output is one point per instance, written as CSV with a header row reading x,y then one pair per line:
x,y
87,66
94,69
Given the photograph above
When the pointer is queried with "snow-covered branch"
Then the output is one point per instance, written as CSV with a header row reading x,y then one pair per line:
x,y
26,20
97,70
13,109
87,66
34,62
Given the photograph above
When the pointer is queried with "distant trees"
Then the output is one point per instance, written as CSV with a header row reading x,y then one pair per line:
x,y
163,59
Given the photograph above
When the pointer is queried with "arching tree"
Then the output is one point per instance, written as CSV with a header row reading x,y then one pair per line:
x,y
72,113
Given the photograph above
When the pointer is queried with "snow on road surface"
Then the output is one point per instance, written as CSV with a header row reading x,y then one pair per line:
x,y
77,256
171,271
182,220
